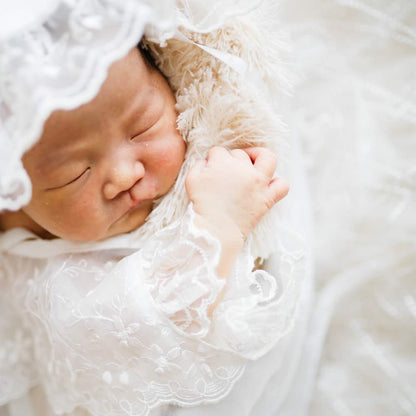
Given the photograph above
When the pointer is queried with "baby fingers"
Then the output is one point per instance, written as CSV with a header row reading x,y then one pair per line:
x,y
278,188
263,159
240,154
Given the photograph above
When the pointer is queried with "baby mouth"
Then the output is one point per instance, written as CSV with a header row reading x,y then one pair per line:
x,y
136,202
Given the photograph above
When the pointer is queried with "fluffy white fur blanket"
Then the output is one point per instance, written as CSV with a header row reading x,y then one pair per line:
x,y
217,105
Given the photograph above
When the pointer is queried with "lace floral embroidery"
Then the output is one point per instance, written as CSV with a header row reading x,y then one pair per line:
x,y
122,334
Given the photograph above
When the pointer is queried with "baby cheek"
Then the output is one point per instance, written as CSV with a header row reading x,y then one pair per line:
x,y
87,215
172,155
81,220
165,159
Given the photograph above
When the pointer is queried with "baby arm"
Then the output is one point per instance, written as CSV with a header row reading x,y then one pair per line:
x,y
231,191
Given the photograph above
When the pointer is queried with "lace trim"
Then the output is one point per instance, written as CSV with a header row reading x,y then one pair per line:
x,y
259,309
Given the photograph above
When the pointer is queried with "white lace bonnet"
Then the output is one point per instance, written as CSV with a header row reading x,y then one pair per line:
x,y
55,54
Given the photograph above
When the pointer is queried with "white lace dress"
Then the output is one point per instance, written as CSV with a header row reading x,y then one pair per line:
x,y
354,111
121,327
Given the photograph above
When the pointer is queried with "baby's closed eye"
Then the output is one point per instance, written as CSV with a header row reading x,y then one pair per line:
x,y
69,179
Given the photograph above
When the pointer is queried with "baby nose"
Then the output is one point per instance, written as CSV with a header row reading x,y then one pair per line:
x,y
122,177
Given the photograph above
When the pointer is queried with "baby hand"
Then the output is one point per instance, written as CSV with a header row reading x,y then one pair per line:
x,y
232,190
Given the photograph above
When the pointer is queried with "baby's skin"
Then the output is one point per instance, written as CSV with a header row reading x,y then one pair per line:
x,y
97,169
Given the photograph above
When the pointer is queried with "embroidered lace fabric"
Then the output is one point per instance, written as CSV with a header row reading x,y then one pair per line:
x,y
122,336
354,112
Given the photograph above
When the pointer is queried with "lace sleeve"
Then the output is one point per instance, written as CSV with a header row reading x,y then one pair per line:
x,y
257,308
180,265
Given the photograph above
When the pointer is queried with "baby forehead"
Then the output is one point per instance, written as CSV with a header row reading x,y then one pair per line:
x,y
127,89
127,78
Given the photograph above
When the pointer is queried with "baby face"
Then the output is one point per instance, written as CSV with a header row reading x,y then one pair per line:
x,y
97,169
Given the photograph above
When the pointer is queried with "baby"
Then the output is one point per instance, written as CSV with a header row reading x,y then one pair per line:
x,y
144,322
97,170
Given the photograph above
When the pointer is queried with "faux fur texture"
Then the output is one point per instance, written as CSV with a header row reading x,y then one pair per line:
x,y
219,106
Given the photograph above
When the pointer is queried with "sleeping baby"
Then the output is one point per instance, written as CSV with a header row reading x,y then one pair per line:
x,y
97,170
116,317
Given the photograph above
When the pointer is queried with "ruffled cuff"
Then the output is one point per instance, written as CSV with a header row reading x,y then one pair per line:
x,y
257,309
